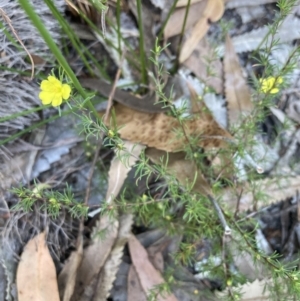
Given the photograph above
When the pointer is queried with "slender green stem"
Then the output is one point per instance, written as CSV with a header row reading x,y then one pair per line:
x,y
78,45
23,113
171,10
187,9
33,127
67,29
141,42
119,25
55,50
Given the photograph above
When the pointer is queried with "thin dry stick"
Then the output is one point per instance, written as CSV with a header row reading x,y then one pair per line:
x,y
113,89
8,21
106,116
227,230
103,13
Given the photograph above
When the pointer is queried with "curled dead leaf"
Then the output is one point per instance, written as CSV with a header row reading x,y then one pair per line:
x,y
213,12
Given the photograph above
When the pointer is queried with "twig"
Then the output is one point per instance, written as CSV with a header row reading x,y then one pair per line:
x,y
113,90
91,173
227,229
8,21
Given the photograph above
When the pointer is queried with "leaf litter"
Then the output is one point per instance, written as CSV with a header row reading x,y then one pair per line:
x,y
91,268
36,274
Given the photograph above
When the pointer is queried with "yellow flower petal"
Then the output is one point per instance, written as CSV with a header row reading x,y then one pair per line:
x,y
53,91
46,97
57,100
66,91
46,85
53,80
269,85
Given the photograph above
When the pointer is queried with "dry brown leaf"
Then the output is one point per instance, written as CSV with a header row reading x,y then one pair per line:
x,y
134,289
175,23
67,277
198,62
155,254
119,170
237,91
149,277
212,13
36,274
185,171
110,268
158,130
273,189
95,255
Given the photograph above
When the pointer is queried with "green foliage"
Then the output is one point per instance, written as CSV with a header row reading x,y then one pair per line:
x,y
49,201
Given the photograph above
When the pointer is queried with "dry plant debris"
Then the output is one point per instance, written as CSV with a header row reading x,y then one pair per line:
x,y
90,271
212,12
148,275
159,130
36,274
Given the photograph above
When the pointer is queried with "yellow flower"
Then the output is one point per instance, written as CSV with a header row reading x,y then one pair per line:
x,y
270,84
54,91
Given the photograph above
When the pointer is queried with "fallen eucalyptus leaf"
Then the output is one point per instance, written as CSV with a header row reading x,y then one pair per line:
x,y
212,13
110,268
67,277
175,22
101,259
36,274
159,130
149,277
119,169
134,289
95,255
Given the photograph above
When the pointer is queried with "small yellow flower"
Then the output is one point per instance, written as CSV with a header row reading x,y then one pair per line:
x,y
270,84
54,91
